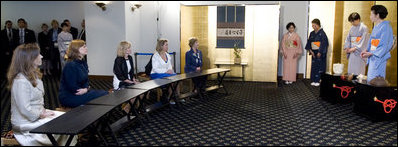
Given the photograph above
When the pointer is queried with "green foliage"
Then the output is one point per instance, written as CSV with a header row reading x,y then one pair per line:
x,y
237,51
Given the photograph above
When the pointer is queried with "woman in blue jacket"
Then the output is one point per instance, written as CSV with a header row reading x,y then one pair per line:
x,y
194,63
74,88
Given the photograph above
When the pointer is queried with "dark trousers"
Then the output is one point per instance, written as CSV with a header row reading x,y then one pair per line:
x,y
55,61
73,101
318,66
200,83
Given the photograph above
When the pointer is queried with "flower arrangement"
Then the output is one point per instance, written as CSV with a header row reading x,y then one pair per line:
x,y
237,53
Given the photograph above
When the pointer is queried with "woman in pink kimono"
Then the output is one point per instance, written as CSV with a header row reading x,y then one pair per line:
x,y
291,50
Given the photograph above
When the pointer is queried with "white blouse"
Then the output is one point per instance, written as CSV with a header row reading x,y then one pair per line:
x,y
159,65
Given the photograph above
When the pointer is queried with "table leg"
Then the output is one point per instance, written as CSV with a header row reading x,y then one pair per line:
x,y
174,93
53,141
97,130
108,125
243,73
142,106
220,80
69,140
132,109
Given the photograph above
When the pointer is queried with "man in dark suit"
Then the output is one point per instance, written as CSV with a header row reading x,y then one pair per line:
x,y
24,34
9,41
72,30
54,54
82,35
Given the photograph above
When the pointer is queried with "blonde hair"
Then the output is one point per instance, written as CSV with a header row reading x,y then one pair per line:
x,y
122,47
53,22
73,50
23,62
160,43
192,41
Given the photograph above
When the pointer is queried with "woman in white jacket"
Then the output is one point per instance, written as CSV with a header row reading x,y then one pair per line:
x,y
27,101
161,63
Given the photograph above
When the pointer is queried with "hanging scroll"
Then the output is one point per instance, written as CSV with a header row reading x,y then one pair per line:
x,y
230,26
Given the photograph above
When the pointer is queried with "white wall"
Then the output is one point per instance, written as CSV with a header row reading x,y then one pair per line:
x,y
133,27
105,29
139,27
119,23
167,27
325,12
37,12
297,12
228,2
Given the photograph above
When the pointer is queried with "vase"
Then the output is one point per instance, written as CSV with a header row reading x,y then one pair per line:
x,y
237,60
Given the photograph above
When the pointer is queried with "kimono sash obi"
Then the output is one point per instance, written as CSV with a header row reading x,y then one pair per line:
x,y
355,40
315,45
291,43
374,43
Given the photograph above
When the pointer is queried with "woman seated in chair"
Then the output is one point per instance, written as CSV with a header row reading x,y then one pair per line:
x,y
27,98
74,88
123,70
161,64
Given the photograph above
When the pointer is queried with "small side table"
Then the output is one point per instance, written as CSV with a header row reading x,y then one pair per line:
x,y
242,64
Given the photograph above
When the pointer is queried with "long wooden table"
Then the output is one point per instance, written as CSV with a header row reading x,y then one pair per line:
x,y
96,112
74,121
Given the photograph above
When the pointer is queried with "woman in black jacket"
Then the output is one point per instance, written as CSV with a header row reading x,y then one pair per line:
x,y
123,69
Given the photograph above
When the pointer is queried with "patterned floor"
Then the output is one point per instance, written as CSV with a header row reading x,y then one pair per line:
x,y
253,113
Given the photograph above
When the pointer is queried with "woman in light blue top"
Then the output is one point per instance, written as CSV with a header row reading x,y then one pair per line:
x,y
379,44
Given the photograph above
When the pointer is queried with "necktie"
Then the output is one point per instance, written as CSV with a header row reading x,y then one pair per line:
x,y
21,36
9,35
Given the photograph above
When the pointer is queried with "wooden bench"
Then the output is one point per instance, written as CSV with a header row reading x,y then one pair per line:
x,y
9,139
63,109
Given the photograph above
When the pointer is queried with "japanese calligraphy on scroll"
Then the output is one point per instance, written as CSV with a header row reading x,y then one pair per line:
x,y
230,26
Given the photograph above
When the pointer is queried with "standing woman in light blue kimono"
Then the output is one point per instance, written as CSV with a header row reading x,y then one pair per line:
x,y
379,44
317,45
355,43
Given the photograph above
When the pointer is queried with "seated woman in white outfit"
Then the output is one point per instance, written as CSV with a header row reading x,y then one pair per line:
x,y
27,101
161,64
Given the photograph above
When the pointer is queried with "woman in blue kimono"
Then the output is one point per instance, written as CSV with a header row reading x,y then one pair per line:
x,y
74,88
380,43
317,46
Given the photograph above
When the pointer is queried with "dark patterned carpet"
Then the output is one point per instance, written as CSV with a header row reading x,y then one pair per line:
x,y
253,113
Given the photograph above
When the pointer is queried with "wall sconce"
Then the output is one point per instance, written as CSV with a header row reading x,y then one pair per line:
x,y
101,5
136,6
